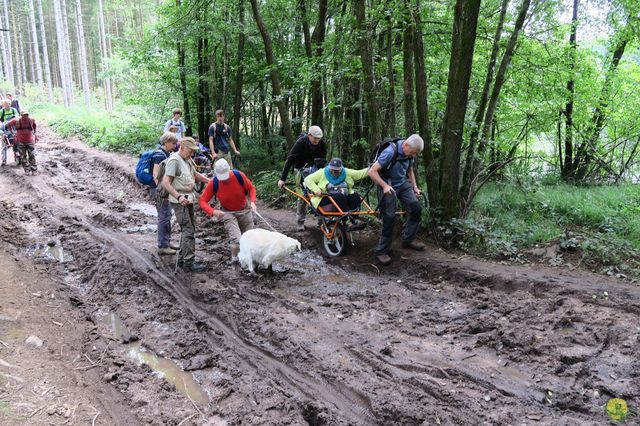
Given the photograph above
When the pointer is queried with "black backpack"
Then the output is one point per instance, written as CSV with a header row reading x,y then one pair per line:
x,y
381,146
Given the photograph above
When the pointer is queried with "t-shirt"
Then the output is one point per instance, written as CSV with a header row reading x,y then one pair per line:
x,y
232,196
179,124
183,175
25,128
397,175
8,114
158,157
221,134
303,153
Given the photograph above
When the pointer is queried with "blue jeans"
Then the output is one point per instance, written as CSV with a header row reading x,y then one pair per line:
x,y
164,219
388,203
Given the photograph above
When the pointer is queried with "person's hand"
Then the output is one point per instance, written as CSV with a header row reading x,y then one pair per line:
x,y
318,193
183,200
237,152
218,214
281,184
417,191
388,189
253,207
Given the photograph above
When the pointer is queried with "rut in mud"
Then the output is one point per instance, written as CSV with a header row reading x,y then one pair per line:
x,y
432,339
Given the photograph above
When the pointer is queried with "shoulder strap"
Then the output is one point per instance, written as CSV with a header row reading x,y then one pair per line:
x,y
238,176
215,185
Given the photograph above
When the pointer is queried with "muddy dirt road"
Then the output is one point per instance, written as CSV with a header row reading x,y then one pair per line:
x,y
433,339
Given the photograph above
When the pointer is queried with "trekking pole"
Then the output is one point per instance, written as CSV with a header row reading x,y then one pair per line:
x,y
265,221
175,268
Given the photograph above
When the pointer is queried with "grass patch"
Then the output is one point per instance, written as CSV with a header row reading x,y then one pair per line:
x,y
601,222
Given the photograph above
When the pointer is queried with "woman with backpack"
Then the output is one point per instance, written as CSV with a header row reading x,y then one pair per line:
x,y
25,138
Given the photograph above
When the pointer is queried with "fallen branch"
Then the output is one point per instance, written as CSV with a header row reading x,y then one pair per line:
x,y
187,419
93,422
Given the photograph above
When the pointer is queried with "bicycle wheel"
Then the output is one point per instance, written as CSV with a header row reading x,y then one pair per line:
x,y
337,245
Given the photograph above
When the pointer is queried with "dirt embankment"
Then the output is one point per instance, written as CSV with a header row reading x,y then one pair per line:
x,y
433,339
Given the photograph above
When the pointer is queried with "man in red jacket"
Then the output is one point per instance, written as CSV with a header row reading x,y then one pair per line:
x,y
231,188
25,139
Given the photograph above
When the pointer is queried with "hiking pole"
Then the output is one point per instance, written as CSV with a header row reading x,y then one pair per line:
x,y
175,268
265,221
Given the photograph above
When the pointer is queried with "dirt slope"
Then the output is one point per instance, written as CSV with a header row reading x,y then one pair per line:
x,y
433,339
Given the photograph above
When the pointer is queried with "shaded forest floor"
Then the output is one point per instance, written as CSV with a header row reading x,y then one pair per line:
x,y
436,338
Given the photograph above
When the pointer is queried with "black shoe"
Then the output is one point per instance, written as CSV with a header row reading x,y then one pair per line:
x,y
194,267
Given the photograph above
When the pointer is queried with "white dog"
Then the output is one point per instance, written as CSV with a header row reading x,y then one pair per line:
x,y
260,248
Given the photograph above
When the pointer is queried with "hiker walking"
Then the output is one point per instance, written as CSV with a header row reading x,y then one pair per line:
x,y
303,154
14,102
179,180
221,140
25,138
231,188
396,180
7,114
181,129
168,143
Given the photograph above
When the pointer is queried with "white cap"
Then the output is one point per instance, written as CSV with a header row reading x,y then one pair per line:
x,y
315,131
222,169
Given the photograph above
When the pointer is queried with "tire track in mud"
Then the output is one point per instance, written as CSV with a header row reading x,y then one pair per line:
x,y
431,373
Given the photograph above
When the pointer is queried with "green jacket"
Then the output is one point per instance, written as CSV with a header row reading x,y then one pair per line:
x,y
317,181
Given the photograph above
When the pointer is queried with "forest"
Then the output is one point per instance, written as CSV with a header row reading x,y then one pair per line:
x,y
507,95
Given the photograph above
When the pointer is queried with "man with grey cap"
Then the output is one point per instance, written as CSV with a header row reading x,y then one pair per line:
x,y
231,188
393,173
179,179
304,152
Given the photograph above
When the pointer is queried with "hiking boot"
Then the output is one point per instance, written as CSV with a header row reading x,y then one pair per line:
x,y
383,258
413,245
166,250
194,267
300,227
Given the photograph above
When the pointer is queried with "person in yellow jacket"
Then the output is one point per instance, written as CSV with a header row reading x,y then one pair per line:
x,y
336,181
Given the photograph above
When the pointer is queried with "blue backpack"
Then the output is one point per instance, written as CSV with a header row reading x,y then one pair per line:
x,y
144,168
238,176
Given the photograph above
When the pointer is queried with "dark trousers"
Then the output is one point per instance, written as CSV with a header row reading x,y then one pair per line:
x,y
163,207
346,202
27,155
388,203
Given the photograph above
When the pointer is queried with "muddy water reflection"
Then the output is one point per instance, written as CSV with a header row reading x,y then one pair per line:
x,y
53,252
163,367
147,209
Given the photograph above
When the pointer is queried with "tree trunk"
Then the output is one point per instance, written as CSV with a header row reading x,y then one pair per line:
x,y
366,56
237,99
306,33
67,46
183,80
317,117
567,170
422,104
407,64
275,77
105,53
391,76
5,40
202,89
45,53
482,105
36,47
462,47
84,71
467,198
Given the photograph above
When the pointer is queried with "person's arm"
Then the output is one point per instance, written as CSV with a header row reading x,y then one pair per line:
x,y
167,125
374,174
293,155
211,133
231,142
357,175
251,190
199,177
153,173
312,180
412,179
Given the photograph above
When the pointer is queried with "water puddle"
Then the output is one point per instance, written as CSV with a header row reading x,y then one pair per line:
x,y
163,367
147,209
142,229
51,251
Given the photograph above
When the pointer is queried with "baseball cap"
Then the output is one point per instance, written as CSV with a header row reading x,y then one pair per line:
x,y
335,164
315,131
189,143
222,169
24,112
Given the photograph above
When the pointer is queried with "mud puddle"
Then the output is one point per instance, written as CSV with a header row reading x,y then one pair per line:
x,y
51,251
162,367
144,208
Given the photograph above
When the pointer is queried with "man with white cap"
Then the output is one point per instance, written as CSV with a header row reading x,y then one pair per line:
x,y
179,179
304,152
231,188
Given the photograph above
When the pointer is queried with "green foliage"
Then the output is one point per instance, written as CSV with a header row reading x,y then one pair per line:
x,y
124,130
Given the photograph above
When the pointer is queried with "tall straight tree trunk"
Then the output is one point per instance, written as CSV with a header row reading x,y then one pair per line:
x,y
567,168
482,105
462,46
316,82
36,45
31,54
183,79
22,59
105,53
45,52
422,105
467,198
202,89
391,76
237,99
5,46
275,77
366,56
84,71
62,53
407,64
67,46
